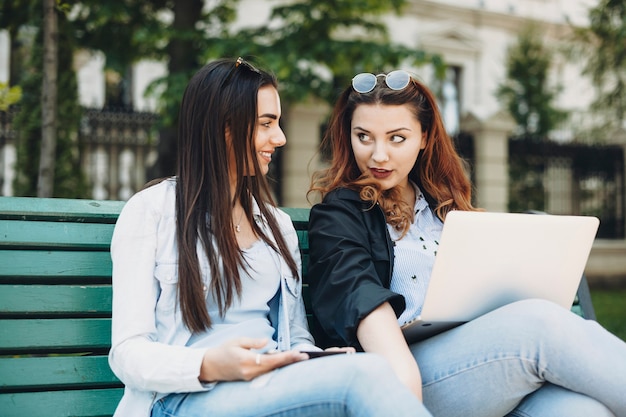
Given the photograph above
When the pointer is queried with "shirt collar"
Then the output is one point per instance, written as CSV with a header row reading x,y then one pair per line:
x,y
420,200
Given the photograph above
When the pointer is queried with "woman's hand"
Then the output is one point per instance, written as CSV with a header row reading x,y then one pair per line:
x,y
235,361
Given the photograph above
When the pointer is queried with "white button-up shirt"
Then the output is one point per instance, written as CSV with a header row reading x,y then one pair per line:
x,y
414,256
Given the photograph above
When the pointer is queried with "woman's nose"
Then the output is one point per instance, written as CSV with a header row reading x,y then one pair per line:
x,y
380,154
279,138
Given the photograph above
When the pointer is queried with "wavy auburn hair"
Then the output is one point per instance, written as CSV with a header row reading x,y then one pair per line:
x,y
221,97
438,171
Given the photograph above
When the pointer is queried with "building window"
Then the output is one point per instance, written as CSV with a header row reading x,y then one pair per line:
x,y
450,100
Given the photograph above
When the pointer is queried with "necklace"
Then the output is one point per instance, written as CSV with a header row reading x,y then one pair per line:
x,y
238,225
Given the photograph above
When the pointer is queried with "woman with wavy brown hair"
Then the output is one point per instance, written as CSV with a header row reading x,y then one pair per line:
x,y
393,177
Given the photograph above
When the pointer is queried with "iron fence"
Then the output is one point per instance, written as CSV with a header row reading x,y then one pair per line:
x,y
117,148
563,178
569,178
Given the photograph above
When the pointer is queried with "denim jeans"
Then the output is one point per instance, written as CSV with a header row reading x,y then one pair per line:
x,y
360,385
529,359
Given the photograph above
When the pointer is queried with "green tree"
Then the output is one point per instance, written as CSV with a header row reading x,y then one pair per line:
x,y
68,178
194,34
529,97
526,91
105,26
127,31
311,45
602,48
179,32
315,47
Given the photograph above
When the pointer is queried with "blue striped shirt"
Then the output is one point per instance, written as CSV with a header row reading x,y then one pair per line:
x,y
414,257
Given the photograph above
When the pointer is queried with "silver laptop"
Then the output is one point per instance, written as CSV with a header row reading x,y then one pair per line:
x,y
486,260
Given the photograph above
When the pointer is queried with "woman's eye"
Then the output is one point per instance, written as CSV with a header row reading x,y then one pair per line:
x,y
362,137
397,139
266,124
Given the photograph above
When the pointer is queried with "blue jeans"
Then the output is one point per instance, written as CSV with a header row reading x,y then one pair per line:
x,y
360,385
528,359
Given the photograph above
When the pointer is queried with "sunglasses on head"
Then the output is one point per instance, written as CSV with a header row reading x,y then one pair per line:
x,y
243,62
395,80
240,62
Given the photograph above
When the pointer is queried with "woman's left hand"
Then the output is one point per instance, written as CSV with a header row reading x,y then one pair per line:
x,y
237,360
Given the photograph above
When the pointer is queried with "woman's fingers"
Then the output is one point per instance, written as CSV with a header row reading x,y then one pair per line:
x,y
260,363
346,349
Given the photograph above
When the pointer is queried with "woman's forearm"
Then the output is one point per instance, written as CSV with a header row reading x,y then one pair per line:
x,y
379,333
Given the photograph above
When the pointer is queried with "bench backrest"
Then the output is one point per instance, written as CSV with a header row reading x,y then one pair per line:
x,y
55,305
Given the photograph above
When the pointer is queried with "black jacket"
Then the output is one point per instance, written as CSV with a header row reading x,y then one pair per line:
x,y
350,266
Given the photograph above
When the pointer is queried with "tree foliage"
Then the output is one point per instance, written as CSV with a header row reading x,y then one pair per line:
x,y
9,95
526,91
602,47
316,47
313,46
123,30
528,96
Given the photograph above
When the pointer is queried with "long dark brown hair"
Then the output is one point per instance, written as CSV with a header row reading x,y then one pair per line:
x,y
220,97
438,170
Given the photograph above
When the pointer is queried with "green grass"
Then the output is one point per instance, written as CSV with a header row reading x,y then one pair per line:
x,y
610,307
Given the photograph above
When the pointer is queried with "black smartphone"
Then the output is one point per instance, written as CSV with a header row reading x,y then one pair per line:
x,y
319,354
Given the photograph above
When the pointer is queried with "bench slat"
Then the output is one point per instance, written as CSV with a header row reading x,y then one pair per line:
x,y
58,372
60,209
299,216
19,233
303,240
57,299
37,263
55,334
82,403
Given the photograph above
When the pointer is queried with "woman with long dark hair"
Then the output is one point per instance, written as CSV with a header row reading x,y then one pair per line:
x,y
393,178
208,318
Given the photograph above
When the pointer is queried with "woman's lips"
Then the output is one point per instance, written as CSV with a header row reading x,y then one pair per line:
x,y
267,156
380,173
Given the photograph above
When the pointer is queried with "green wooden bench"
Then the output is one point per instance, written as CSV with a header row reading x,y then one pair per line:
x,y
55,305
